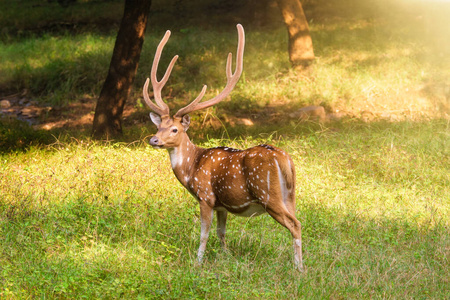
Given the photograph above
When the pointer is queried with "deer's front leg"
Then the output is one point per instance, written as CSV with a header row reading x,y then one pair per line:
x,y
221,227
206,214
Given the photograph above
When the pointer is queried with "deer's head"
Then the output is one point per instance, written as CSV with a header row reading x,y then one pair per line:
x,y
172,130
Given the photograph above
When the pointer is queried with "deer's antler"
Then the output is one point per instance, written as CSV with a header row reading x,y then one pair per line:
x,y
161,107
232,79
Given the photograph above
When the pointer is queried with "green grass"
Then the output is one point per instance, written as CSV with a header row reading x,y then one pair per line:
x,y
80,219
58,68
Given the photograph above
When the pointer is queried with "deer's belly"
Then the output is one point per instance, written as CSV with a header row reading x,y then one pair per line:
x,y
245,210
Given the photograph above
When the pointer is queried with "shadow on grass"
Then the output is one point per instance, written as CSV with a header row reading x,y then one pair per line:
x,y
16,135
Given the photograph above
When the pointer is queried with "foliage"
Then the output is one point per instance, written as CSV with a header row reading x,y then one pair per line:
x,y
372,57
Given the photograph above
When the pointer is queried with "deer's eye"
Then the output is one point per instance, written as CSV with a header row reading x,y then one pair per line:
x,y
175,130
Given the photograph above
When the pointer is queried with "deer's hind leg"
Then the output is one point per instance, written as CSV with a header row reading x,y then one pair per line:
x,y
281,214
281,207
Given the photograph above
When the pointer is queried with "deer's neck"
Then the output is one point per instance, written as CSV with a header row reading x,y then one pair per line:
x,y
183,158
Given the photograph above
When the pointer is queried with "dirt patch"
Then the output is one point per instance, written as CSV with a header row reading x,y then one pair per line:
x,y
78,115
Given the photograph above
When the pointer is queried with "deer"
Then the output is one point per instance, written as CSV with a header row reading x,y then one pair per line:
x,y
245,183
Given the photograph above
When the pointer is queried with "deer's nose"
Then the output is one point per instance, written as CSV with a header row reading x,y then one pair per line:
x,y
154,141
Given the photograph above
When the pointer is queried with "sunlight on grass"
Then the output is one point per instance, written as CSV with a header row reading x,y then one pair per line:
x,y
64,64
69,167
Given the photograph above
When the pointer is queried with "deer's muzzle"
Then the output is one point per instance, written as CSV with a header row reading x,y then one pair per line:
x,y
155,142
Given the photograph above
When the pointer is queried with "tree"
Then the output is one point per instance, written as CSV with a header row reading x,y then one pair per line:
x,y
301,52
122,69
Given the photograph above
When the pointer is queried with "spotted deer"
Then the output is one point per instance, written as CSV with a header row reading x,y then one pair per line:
x,y
244,182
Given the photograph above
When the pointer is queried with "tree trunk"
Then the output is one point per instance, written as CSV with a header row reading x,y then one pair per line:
x,y
122,69
301,53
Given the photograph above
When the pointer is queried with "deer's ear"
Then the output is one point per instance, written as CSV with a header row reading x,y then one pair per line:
x,y
185,121
156,119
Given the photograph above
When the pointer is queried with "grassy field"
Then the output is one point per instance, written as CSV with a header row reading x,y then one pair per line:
x,y
89,219
85,220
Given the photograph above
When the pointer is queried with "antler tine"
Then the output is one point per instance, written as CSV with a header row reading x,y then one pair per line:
x,y
160,111
161,108
232,79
